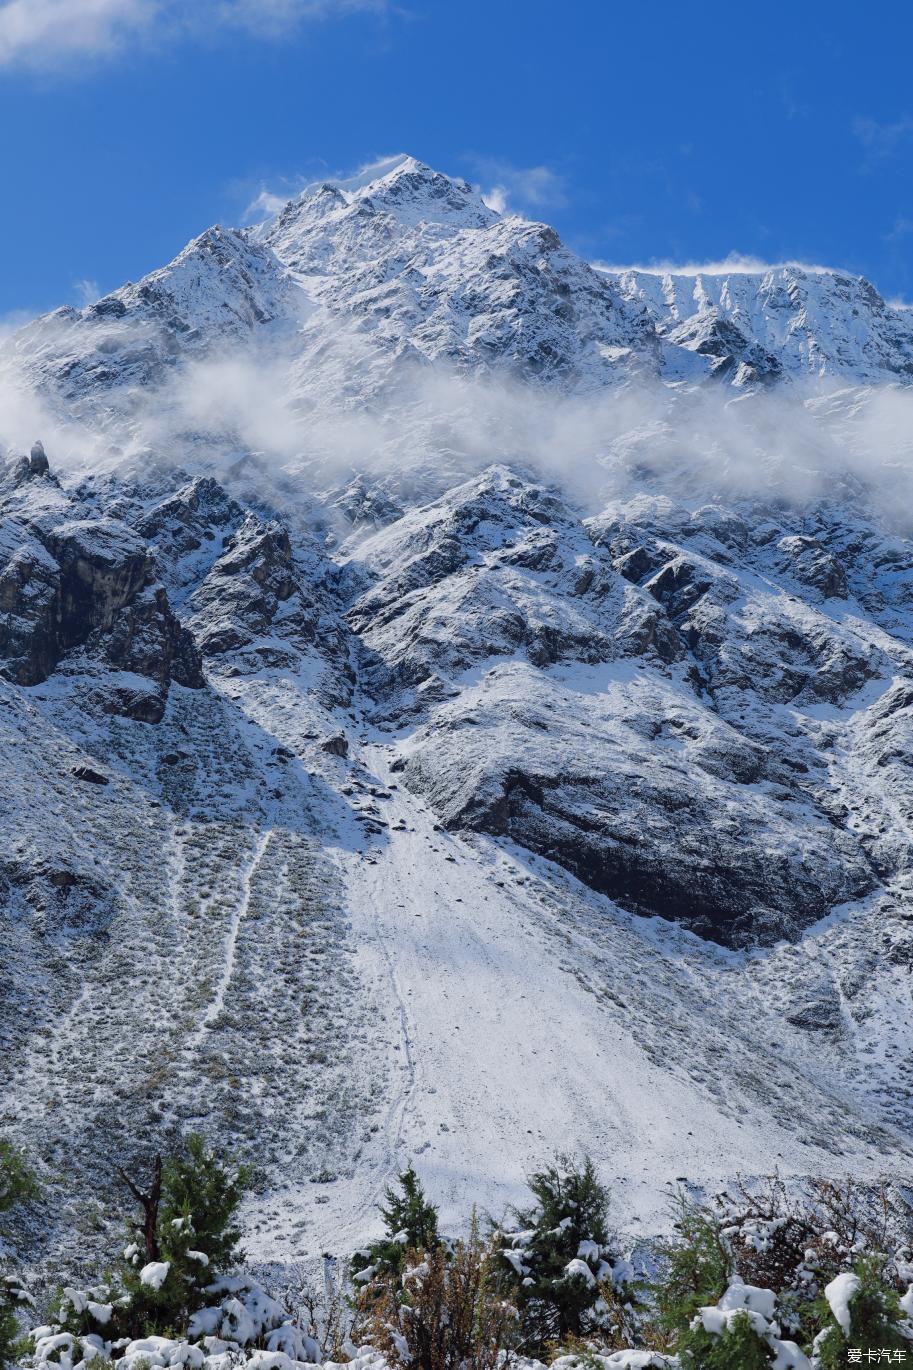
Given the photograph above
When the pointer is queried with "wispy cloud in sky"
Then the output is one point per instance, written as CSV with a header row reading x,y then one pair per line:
x,y
883,140
506,187
86,291
901,228
264,205
56,34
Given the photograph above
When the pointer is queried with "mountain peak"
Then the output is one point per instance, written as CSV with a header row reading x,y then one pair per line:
x,y
403,188
414,191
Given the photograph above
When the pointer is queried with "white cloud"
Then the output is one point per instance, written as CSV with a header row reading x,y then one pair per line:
x,y
505,186
15,319
53,34
902,228
272,18
263,206
43,33
725,266
496,199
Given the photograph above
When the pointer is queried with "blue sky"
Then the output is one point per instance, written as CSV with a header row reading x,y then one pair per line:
x,y
644,132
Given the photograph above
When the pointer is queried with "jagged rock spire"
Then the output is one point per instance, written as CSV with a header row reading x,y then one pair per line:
x,y
38,461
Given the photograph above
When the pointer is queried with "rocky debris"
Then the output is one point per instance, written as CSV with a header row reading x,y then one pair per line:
x,y
337,745
88,774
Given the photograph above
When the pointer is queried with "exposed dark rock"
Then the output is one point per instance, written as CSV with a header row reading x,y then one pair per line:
x,y
84,585
183,522
38,462
254,589
147,639
821,1014
712,335
814,565
30,607
338,745
86,773
657,851
363,503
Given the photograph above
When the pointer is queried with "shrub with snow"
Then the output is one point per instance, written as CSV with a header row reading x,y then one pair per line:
x,y
739,1330
447,1311
241,1324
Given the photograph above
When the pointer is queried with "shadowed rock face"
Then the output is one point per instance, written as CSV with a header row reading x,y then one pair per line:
x,y
654,849
103,566
86,585
29,607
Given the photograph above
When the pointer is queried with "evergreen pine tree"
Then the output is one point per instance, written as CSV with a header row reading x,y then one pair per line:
x,y
875,1317
410,1221
556,1262
696,1268
17,1185
188,1235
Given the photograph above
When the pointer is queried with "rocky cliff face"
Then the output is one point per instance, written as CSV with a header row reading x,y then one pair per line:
x,y
83,590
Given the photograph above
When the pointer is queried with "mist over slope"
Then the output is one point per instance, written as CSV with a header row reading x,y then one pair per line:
x,y
457,704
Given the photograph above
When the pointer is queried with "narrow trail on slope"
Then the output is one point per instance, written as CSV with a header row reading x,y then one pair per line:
x,y
396,1113
231,941
178,864
341,1229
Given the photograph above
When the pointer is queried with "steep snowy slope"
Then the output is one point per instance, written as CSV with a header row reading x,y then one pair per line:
x,y
218,292
405,783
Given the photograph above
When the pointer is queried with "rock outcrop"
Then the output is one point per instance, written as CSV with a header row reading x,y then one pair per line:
x,y
79,590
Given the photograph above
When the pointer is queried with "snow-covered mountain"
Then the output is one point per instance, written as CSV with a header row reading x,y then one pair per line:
x,y
381,782
779,322
416,267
